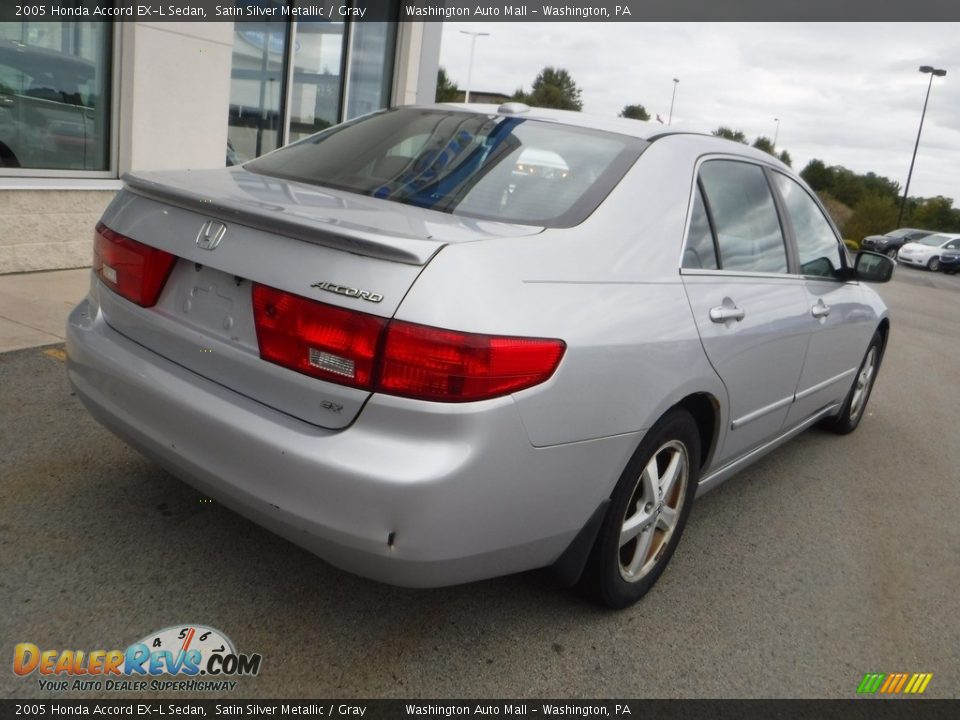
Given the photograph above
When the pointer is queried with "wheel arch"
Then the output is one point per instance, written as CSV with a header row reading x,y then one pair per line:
x,y
7,157
705,409
884,329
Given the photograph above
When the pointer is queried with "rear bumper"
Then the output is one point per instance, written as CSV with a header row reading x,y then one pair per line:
x,y
415,494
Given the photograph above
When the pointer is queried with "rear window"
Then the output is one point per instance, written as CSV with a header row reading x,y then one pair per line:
x,y
509,169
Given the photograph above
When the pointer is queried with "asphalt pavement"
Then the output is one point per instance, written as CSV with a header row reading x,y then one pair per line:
x,y
830,558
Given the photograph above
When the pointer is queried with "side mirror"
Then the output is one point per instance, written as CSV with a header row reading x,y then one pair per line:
x,y
873,267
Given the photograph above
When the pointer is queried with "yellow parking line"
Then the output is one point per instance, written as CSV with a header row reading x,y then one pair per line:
x,y
56,354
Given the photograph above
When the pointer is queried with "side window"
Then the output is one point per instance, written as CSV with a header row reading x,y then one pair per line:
x,y
699,251
818,247
745,217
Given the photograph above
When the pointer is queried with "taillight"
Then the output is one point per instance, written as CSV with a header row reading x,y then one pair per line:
x,y
136,271
315,338
448,366
394,357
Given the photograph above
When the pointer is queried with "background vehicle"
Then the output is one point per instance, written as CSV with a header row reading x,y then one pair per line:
x,y
891,243
364,342
926,251
950,261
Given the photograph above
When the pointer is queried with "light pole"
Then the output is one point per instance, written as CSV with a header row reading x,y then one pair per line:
x,y
676,81
933,72
776,133
473,44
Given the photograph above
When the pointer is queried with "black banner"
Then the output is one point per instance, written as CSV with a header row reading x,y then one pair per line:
x,y
483,11
854,709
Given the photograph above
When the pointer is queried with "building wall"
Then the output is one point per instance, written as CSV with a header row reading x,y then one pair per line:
x,y
174,95
172,102
48,229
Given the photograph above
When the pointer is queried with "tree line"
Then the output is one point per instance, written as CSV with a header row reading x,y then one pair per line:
x,y
860,204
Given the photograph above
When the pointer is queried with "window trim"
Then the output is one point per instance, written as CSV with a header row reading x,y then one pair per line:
x,y
114,41
792,270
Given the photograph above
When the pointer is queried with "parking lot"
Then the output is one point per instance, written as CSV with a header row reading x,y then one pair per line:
x,y
830,558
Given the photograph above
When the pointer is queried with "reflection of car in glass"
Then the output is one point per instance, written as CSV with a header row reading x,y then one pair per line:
x,y
357,341
46,109
925,252
891,243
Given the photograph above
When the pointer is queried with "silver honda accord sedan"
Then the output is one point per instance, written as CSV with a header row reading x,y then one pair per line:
x,y
444,343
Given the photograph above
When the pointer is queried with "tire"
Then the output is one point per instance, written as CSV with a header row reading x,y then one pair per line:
x,y
892,253
618,574
856,401
934,264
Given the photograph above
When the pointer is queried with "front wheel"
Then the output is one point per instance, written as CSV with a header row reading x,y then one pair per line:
x,y
892,253
648,511
856,400
934,264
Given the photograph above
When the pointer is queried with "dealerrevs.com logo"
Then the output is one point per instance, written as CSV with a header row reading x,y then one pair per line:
x,y
183,658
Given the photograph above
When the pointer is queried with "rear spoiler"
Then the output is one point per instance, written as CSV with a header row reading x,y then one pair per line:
x,y
396,247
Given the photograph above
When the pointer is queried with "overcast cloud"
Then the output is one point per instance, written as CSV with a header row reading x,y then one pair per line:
x,y
849,94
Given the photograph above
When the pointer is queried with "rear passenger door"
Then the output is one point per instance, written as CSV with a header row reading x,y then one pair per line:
x,y
751,312
840,324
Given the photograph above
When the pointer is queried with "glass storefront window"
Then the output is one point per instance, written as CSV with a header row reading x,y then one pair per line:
x,y
339,70
256,87
371,67
317,64
55,95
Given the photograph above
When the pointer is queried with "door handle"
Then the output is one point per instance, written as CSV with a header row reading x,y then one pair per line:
x,y
722,313
820,310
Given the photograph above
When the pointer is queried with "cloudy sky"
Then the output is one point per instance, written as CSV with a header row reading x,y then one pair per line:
x,y
849,94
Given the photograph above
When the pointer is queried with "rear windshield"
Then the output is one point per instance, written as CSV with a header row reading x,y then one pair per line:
x,y
492,167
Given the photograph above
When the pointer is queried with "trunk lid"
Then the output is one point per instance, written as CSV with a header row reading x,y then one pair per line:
x,y
354,252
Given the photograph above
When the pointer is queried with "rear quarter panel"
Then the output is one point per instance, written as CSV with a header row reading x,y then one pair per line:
x,y
610,288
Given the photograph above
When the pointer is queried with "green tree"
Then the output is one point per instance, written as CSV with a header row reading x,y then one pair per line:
x,y
553,88
635,112
735,135
765,144
785,158
873,215
447,90
818,176
935,214
879,185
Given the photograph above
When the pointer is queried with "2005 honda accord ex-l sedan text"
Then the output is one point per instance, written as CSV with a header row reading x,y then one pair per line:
x,y
438,344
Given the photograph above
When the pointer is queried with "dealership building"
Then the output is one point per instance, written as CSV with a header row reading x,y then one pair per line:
x,y
82,103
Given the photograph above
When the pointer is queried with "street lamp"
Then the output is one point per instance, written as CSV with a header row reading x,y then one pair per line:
x,y
676,81
776,132
933,72
473,43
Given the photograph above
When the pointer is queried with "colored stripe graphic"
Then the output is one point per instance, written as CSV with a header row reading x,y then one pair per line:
x,y
871,682
894,683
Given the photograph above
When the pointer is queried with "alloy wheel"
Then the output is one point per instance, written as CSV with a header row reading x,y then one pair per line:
x,y
864,379
654,510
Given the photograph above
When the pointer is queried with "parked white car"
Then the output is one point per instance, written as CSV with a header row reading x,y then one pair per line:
x,y
925,252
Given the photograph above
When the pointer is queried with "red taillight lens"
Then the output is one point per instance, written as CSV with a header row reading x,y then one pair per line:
x,y
416,361
315,338
449,366
136,271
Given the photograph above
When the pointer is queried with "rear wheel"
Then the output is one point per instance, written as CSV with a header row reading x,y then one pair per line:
x,y
647,514
856,400
934,264
892,253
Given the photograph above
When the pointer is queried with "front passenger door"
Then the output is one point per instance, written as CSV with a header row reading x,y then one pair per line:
x,y
840,324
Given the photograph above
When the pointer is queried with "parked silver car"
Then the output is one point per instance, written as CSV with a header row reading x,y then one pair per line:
x,y
388,345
